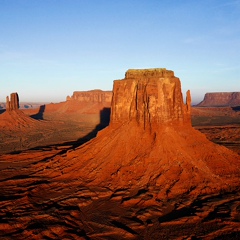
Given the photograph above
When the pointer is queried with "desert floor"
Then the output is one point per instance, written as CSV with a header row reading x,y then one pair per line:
x,y
36,205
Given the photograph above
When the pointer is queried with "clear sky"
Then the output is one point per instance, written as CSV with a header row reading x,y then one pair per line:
x,y
50,48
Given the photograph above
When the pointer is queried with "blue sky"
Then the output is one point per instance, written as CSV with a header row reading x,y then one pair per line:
x,y
50,48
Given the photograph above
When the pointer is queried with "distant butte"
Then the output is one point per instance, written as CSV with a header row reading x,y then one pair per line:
x,y
13,118
13,103
220,99
90,102
94,96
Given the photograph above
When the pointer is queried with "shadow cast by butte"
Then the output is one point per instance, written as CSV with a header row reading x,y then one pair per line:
x,y
236,109
2,111
104,122
39,115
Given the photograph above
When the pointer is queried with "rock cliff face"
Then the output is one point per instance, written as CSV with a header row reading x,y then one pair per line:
x,y
151,134
13,103
94,96
150,96
220,99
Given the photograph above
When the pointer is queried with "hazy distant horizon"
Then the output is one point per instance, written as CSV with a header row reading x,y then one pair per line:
x,y
30,101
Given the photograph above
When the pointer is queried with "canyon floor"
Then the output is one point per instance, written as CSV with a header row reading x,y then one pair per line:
x,y
35,204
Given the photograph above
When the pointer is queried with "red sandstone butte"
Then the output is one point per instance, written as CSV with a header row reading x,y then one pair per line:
x,y
13,103
149,97
13,118
150,142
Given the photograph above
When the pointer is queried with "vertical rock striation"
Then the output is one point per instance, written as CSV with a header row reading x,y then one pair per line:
x,y
13,103
149,97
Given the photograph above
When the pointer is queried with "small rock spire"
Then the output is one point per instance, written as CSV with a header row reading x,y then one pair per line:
x,y
188,101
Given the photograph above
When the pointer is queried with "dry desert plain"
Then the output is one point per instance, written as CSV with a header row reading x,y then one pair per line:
x,y
143,165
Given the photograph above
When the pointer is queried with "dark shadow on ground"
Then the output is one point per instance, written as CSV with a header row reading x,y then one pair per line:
x,y
104,122
2,111
39,115
236,109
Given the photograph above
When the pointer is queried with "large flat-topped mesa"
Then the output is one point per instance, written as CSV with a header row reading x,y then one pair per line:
x,y
149,96
221,99
94,96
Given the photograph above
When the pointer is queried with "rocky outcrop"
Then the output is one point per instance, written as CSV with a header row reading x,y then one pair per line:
x,y
13,103
13,119
220,99
94,96
149,96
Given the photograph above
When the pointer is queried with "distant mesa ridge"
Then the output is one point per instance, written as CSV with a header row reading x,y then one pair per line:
x,y
220,99
94,96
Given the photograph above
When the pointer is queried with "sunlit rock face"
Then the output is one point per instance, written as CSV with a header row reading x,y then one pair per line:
x,y
13,103
149,96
